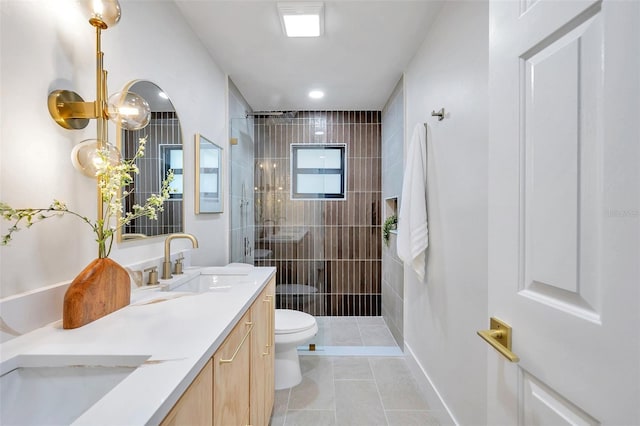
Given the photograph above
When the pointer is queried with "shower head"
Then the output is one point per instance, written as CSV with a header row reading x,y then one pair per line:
x,y
263,113
274,117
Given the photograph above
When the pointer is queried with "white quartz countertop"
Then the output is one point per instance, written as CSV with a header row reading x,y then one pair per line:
x,y
178,332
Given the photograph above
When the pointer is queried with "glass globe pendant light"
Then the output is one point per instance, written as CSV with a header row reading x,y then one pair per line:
x,y
87,158
128,109
102,13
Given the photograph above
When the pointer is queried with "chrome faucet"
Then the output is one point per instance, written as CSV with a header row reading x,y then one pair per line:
x,y
166,265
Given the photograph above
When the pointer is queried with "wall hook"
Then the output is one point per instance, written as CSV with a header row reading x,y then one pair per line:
x,y
439,114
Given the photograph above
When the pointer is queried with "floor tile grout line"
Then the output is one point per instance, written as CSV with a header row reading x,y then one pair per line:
x,y
386,419
412,410
359,331
312,409
369,357
397,410
286,411
335,404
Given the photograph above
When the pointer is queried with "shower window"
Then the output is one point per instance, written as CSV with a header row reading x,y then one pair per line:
x,y
318,171
172,160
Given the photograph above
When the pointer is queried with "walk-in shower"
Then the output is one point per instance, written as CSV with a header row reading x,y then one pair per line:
x,y
327,249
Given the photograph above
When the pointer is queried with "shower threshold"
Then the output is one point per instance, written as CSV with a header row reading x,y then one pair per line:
x,y
392,351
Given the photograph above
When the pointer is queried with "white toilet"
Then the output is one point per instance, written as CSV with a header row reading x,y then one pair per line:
x,y
293,328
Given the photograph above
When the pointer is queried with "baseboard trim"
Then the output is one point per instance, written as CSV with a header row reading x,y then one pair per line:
x,y
434,399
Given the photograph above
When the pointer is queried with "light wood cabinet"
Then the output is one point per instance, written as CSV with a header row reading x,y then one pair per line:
x,y
262,356
231,376
237,386
194,406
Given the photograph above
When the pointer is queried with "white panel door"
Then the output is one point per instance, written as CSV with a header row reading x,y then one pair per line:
x,y
564,211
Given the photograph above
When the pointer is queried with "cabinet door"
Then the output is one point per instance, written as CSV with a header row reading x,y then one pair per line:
x,y
231,376
194,406
262,356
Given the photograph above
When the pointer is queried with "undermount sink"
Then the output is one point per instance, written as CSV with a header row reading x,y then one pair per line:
x,y
213,282
57,389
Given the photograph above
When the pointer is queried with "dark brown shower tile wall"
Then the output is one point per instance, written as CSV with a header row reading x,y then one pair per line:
x,y
339,255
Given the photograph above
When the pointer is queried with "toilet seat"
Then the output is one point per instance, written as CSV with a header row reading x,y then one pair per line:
x,y
289,321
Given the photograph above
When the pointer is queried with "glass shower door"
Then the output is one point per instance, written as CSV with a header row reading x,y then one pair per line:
x,y
267,227
241,159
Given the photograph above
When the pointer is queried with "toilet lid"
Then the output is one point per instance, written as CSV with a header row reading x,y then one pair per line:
x,y
290,321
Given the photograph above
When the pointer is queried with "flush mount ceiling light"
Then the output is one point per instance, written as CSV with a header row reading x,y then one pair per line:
x,y
316,94
302,19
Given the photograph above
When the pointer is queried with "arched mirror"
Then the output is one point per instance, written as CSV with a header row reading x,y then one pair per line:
x,y
163,151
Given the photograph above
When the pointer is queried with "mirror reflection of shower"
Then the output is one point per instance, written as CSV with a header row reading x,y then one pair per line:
x,y
163,152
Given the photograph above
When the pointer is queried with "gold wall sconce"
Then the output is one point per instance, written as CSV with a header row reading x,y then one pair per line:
x,y
71,111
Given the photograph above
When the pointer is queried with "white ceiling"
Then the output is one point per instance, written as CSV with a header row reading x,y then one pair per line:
x,y
357,62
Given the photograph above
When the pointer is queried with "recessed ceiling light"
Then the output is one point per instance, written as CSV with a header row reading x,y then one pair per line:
x,y
302,19
302,25
316,94
163,95
319,133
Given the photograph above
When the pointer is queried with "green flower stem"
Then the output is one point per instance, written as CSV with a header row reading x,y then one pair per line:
x,y
112,179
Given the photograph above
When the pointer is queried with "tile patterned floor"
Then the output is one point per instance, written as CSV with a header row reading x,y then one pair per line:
x,y
353,390
353,331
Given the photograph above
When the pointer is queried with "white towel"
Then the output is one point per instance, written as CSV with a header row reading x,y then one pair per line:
x,y
413,235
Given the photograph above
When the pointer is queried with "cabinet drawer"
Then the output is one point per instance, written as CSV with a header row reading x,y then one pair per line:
x,y
231,380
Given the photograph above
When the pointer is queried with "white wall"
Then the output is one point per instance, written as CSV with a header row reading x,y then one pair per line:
x,y
393,120
442,314
47,45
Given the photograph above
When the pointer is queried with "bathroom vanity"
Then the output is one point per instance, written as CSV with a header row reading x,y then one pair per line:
x,y
199,352
223,393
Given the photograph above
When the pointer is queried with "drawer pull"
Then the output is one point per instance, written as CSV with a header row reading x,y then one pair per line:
x,y
269,301
230,360
270,322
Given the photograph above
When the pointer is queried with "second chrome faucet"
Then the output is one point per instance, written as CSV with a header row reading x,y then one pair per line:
x,y
166,265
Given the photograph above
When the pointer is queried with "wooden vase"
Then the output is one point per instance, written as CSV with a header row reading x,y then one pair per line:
x,y
101,288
